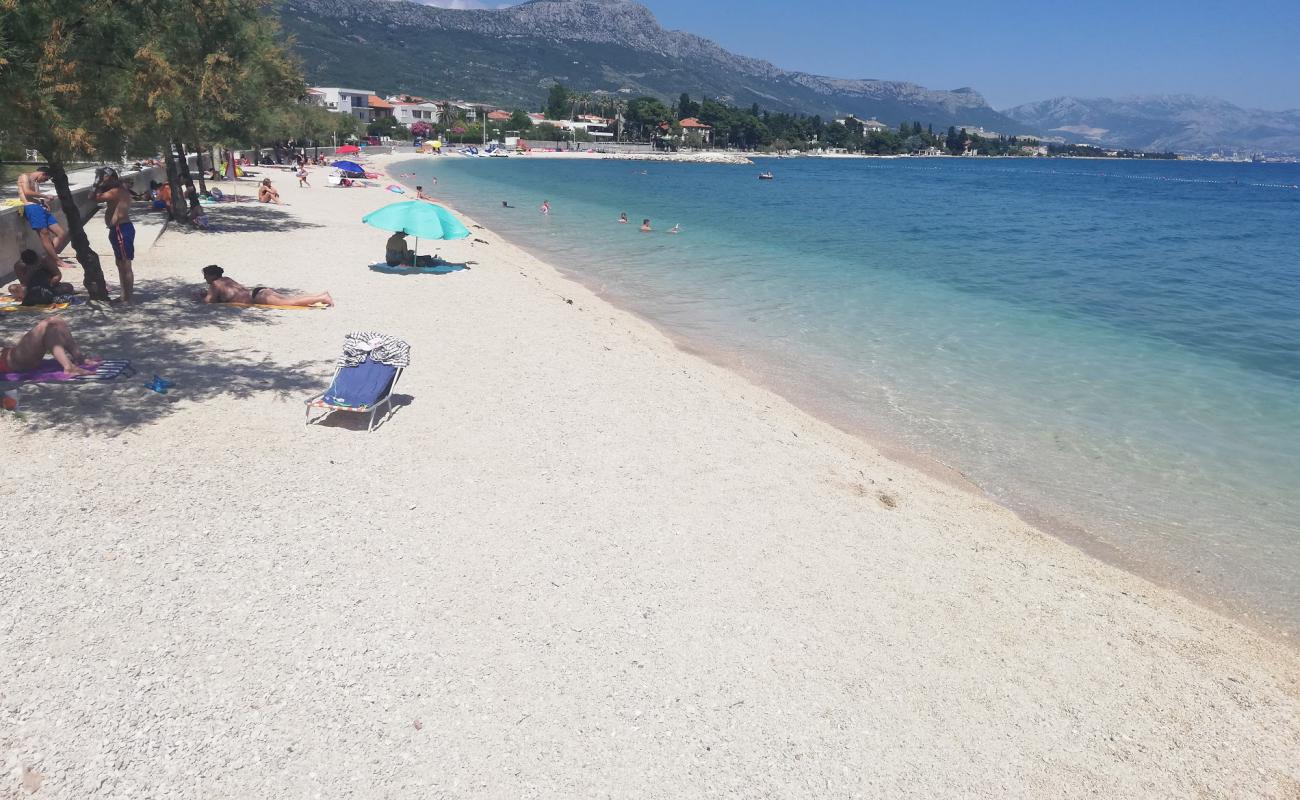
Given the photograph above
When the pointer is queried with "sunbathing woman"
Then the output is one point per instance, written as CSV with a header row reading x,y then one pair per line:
x,y
51,335
227,290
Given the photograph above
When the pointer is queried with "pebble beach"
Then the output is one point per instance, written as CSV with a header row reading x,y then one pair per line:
x,y
576,561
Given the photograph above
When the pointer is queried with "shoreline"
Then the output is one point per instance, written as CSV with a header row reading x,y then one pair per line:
x,y
1074,534
577,560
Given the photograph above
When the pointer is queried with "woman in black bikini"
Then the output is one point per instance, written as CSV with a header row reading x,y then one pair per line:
x,y
227,290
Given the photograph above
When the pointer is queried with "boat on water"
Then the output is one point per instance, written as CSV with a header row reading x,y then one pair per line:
x,y
766,176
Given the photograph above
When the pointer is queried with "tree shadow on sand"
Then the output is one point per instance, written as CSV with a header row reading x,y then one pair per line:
x,y
247,217
159,337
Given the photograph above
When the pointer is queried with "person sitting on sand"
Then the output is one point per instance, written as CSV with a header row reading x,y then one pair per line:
x,y
396,253
645,226
267,193
42,277
227,290
50,335
622,218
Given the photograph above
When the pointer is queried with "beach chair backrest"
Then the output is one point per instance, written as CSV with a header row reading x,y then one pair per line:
x,y
362,385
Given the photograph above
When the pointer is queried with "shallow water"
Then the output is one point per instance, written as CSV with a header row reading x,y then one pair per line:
x,y
1112,347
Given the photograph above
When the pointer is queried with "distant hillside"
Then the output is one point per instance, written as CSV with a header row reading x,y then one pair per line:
x,y
511,56
1182,123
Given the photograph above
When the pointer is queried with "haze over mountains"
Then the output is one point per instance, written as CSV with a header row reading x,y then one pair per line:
x,y
511,56
1182,123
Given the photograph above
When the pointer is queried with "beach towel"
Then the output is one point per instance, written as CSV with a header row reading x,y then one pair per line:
x,y
49,372
380,347
317,307
428,269
10,304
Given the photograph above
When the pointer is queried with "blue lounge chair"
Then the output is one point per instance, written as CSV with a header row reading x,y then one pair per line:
x,y
361,389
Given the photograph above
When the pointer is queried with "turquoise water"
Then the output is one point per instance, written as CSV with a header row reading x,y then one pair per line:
x,y
1110,348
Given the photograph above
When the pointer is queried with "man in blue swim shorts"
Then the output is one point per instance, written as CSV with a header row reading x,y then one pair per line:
x,y
36,207
121,231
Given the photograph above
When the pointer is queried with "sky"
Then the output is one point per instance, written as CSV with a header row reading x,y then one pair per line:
x,y
1016,51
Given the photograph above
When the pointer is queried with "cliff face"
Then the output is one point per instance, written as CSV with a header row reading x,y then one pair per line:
x,y
512,55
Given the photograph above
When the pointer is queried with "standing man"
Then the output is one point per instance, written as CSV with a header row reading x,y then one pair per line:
x,y
36,207
121,231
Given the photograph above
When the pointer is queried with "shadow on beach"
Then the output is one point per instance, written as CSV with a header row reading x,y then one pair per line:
x,y
155,336
246,217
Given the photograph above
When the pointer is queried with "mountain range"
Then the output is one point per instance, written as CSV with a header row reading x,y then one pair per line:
x,y
1182,123
512,56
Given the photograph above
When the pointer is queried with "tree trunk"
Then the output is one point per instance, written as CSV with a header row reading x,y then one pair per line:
x,y
174,181
92,272
203,178
183,164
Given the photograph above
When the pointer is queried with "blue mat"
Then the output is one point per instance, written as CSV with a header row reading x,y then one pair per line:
x,y
437,269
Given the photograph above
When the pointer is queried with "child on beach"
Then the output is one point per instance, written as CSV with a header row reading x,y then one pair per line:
x,y
267,193
302,177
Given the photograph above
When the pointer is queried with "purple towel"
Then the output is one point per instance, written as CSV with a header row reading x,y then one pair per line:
x,y
50,371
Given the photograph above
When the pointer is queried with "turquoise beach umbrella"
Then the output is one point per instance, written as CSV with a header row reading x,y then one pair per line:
x,y
417,218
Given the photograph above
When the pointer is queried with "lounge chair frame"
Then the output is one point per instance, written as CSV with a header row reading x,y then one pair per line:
x,y
318,401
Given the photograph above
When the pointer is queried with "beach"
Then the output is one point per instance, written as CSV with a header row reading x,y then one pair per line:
x,y
577,561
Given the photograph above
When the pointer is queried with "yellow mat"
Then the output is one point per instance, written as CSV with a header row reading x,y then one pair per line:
x,y
10,304
317,307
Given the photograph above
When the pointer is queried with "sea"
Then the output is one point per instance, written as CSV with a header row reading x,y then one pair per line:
x,y
1109,348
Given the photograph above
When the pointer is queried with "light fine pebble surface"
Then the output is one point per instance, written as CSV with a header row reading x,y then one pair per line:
x,y
577,562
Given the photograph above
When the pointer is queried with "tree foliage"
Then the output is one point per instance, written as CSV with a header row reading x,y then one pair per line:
x,y
557,103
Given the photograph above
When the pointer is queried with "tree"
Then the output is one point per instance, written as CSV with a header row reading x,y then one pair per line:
x,y
64,93
557,102
388,126
836,135
519,121
647,112
212,70
686,108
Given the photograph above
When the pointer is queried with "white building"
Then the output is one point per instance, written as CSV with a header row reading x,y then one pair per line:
x,y
344,101
868,125
409,112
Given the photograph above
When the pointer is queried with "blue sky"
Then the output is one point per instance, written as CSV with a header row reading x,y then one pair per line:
x,y
1015,52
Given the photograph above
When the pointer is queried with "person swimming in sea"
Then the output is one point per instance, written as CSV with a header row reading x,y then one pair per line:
x,y
505,204
622,218
645,226
676,228
546,207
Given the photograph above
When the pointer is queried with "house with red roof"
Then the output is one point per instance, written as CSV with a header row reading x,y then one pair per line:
x,y
691,124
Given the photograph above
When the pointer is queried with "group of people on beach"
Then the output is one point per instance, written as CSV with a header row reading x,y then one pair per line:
x,y
109,189
40,279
